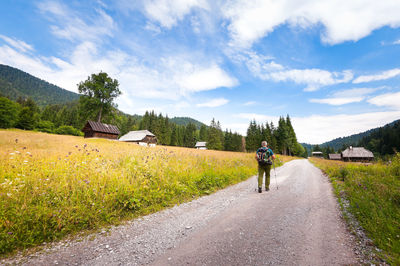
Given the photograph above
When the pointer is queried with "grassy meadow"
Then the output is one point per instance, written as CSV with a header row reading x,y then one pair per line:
x,y
373,192
52,186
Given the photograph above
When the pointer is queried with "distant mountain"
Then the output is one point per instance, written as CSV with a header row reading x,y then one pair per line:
x,y
184,121
15,83
351,140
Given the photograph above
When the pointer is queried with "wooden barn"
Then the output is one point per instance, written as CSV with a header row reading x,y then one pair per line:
x,y
99,130
201,145
317,154
357,154
335,156
139,137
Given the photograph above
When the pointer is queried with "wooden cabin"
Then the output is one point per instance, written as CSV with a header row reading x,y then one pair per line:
x,y
317,154
201,145
140,137
335,156
99,130
357,154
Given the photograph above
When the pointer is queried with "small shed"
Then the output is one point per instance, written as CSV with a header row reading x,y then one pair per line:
x,y
99,130
335,156
357,154
140,137
201,145
318,154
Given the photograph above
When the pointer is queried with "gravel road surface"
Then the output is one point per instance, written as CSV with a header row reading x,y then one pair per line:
x,y
297,224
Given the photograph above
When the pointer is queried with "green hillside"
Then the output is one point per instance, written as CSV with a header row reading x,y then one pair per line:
x,y
184,121
15,83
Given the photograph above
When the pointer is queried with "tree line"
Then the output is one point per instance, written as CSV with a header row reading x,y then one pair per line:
x,y
281,139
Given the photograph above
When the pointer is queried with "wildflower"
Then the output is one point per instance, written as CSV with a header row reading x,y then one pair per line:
x,y
24,148
25,161
17,152
16,140
28,153
12,153
10,233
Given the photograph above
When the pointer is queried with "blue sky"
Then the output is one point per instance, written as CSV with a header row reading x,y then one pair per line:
x,y
333,66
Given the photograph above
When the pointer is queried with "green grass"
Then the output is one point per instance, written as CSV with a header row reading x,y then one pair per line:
x,y
373,192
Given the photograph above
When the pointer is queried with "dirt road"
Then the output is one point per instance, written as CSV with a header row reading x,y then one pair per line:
x,y
297,224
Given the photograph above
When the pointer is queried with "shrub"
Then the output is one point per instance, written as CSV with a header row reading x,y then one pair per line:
x,y
8,113
45,126
68,130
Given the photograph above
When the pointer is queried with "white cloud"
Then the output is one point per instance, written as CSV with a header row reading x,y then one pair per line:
x,y
249,103
168,13
265,68
316,129
69,24
338,101
213,103
202,79
396,42
346,96
18,44
342,20
391,100
381,76
313,78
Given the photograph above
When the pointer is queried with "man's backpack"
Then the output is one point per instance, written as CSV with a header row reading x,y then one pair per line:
x,y
264,157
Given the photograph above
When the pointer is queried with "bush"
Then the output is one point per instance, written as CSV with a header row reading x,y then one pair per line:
x,y
8,113
45,126
68,130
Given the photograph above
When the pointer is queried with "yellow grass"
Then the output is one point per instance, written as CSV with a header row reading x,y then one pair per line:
x,y
52,185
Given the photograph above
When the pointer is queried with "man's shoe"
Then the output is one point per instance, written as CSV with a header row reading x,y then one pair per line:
x,y
267,189
259,190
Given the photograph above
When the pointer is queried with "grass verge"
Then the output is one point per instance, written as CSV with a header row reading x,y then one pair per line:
x,y
373,194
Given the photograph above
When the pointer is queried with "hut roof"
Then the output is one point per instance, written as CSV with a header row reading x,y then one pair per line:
x,y
335,156
100,127
136,135
200,144
357,152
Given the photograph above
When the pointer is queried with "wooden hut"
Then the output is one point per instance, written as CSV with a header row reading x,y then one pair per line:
x,y
317,154
140,137
201,145
99,130
357,154
335,156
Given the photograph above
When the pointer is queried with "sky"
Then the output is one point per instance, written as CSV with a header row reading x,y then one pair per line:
x,y
332,66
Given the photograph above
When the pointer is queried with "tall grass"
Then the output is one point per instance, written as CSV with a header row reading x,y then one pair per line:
x,y
373,192
52,186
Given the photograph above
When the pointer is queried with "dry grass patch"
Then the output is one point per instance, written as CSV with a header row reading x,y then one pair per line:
x,y
52,185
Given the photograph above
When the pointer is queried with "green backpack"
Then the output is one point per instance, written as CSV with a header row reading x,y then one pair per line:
x,y
264,157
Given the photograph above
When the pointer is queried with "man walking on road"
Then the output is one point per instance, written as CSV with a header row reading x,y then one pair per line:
x,y
263,156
